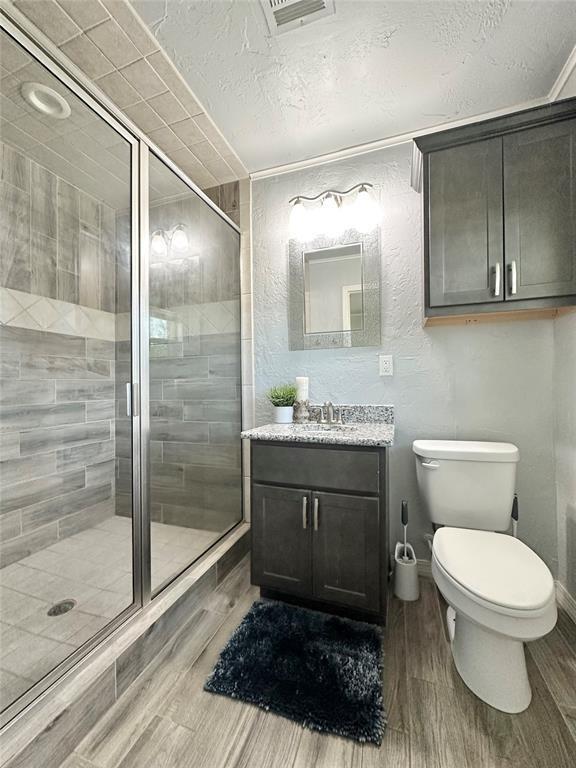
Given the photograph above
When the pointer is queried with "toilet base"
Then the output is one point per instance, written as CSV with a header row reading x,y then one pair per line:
x,y
492,666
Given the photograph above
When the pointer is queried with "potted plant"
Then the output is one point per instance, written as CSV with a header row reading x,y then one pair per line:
x,y
282,398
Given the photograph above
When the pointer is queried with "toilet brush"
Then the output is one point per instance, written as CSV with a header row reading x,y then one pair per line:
x,y
405,565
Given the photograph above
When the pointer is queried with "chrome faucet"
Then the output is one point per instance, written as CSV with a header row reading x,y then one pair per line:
x,y
330,415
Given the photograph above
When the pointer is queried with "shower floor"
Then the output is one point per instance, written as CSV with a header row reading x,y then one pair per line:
x,y
93,568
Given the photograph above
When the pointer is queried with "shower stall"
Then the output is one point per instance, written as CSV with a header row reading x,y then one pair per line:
x,y
120,389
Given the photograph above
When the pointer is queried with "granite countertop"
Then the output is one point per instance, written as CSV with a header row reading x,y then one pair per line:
x,y
377,434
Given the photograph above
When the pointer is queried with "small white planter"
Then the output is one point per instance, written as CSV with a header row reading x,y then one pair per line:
x,y
284,414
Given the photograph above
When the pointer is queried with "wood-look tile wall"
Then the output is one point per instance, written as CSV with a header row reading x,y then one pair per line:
x,y
56,240
195,384
57,438
57,391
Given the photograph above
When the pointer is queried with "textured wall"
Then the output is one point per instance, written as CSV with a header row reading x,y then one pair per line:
x,y
565,446
487,382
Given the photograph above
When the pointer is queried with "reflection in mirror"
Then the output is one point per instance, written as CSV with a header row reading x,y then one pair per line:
x,y
334,291
333,295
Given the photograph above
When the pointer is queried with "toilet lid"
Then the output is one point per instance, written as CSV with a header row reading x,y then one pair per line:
x,y
497,568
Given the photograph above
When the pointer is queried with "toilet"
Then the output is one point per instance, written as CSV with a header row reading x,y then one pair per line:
x,y
500,593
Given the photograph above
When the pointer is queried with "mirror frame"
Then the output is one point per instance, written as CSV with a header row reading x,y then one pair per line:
x,y
370,334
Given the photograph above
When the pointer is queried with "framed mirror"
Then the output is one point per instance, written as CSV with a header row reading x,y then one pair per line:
x,y
335,291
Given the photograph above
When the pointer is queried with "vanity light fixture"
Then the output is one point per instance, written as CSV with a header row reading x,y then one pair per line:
x,y
334,215
162,241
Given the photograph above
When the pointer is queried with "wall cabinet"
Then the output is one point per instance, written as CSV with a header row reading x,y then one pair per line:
x,y
318,543
500,213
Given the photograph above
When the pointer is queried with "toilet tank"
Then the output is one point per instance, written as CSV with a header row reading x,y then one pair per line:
x,y
467,484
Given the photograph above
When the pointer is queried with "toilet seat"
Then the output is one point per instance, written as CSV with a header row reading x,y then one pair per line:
x,y
494,570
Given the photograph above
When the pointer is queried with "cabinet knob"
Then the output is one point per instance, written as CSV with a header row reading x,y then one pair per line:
x,y
316,513
304,512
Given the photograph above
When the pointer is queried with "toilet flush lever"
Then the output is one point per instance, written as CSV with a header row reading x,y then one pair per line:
x,y
430,464
515,516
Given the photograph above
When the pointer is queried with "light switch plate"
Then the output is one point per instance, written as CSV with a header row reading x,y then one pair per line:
x,y
386,365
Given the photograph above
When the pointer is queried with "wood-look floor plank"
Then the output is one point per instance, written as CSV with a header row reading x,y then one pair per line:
x,y
77,761
556,660
323,751
395,659
158,746
546,737
272,742
447,729
123,725
428,654
393,753
219,726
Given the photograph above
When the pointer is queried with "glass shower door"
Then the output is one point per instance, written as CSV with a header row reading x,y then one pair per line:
x,y
194,379
66,436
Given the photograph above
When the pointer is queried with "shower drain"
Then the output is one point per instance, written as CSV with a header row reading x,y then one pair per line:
x,y
62,607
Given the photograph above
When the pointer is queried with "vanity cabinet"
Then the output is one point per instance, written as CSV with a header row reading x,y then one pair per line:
x,y
500,213
323,541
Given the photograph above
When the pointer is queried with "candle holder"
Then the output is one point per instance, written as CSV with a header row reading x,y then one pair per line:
x,y
301,412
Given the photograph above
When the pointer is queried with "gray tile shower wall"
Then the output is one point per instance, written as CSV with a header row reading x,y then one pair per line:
x,y
57,474
57,241
59,261
195,383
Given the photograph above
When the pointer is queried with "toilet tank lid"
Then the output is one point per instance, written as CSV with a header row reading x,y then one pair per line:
x,y
465,450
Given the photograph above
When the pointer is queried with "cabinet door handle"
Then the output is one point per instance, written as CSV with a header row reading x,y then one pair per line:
x,y
497,280
304,512
513,278
316,513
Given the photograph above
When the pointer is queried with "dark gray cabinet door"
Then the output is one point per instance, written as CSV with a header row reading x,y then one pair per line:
x,y
282,539
540,211
465,253
346,550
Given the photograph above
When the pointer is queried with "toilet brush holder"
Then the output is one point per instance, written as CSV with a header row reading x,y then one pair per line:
x,y
406,585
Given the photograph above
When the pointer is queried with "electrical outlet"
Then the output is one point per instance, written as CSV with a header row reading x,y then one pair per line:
x,y
386,365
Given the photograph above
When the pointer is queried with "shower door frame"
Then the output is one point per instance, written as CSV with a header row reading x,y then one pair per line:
x,y
17,26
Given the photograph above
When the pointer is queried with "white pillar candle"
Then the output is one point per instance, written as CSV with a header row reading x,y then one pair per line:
x,y
301,387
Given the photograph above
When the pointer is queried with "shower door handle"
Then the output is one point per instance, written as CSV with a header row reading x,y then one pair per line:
x,y
132,400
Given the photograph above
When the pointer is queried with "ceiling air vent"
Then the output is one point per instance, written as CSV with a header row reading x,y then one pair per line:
x,y
284,15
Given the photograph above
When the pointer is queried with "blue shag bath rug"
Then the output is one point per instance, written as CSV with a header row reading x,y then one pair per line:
x,y
321,671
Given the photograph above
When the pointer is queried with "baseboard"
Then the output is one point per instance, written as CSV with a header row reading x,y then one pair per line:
x,y
425,569
566,601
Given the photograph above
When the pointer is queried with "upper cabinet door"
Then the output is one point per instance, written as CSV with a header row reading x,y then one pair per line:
x,y
465,224
540,211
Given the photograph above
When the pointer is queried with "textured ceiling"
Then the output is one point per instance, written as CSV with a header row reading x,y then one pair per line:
x,y
373,70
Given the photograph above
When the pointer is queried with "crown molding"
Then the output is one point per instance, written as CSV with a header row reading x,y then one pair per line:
x,y
392,141
565,72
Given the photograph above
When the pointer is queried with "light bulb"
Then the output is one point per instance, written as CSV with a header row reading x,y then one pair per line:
x,y
179,241
158,245
299,220
365,214
331,217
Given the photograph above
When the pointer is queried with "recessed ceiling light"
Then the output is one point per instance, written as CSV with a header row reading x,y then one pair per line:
x,y
46,100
